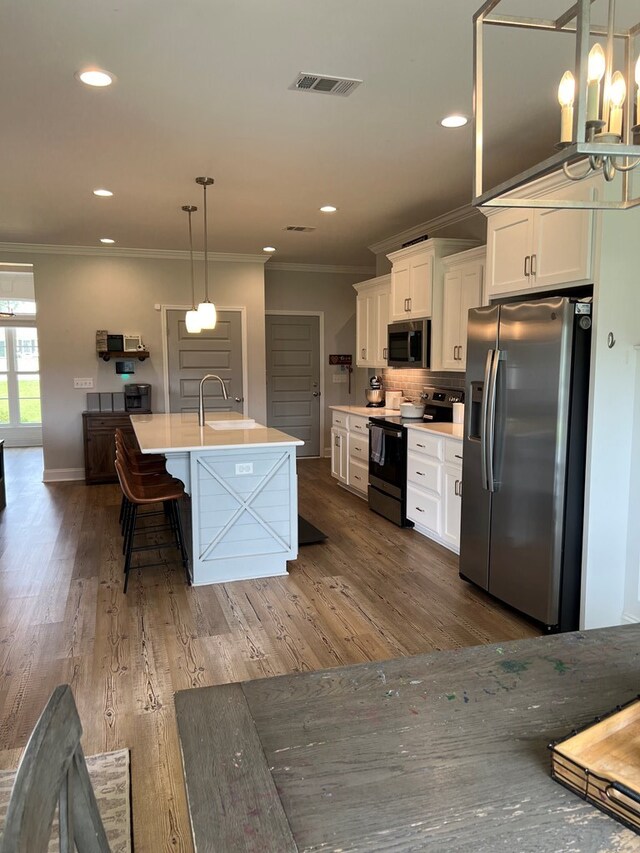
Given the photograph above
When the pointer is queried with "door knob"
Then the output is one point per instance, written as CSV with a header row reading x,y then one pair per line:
x,y
316,393
239,399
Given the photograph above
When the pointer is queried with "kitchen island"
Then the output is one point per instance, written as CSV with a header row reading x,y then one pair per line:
x,y
241,517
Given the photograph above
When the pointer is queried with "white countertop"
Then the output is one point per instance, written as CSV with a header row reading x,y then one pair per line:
x,y
366,411
450,430
174,433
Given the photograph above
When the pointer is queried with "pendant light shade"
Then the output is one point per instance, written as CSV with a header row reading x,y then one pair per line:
x,y
192,318
207,314
192,322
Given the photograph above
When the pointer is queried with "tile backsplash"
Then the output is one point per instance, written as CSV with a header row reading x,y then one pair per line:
x,y
412,382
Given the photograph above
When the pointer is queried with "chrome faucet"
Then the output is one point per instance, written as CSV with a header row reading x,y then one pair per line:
x,y
201,395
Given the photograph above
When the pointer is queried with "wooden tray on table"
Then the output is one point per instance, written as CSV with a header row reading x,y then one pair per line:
x,y
601,763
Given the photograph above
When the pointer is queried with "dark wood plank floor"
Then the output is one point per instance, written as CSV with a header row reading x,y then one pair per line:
x,y
370,592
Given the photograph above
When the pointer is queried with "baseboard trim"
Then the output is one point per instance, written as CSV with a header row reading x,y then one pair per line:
x,y
62,475
327,451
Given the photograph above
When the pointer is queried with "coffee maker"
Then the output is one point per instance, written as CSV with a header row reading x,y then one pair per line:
x,y
137,398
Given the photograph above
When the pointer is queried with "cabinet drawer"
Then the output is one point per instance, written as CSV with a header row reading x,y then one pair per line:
x,y
339,419
453,452
358,476
359,447
420,441
107,422
423,472
423,509
358,424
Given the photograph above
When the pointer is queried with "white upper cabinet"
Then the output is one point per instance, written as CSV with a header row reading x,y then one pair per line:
x,y
462,290
415,272
372,318
538,248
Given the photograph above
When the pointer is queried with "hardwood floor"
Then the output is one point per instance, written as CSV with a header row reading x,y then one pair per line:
x,y
370,592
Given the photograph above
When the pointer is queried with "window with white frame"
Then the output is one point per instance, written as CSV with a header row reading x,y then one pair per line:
x,y
19,376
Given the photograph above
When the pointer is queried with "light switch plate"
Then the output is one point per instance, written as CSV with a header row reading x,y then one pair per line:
x,y
83,383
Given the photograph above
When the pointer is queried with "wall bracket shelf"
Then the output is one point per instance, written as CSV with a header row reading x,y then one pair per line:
x,y
141,355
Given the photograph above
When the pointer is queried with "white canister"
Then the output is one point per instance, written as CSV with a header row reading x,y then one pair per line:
x,y
458,413
392,399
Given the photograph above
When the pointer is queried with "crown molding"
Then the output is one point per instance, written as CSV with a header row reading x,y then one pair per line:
x,y
122,252
459,214
326,268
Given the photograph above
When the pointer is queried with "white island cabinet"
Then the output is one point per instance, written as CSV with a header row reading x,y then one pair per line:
x,y
242,487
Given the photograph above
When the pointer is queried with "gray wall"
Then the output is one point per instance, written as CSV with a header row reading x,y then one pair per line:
x,y
332,293
78,294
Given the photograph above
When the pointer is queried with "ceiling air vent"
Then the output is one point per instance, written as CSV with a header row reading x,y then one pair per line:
x,y
341,86
299,228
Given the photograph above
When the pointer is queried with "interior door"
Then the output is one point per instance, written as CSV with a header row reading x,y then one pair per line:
x,y
191,357
293,378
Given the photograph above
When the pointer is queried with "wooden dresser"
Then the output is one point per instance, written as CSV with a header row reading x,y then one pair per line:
x,y
98,429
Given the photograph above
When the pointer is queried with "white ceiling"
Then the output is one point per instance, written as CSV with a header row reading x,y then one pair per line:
x,y
202,88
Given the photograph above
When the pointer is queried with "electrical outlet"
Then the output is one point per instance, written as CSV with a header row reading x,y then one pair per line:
x,y
339,378
83,383
244,468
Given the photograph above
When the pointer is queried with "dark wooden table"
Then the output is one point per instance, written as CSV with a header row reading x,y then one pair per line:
x,y
441,752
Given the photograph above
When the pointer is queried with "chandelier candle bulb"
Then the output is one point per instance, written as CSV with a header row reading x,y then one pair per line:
x,y
566,94
595,72
617,95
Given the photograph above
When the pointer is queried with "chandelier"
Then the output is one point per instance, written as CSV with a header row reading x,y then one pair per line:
x,y
599,109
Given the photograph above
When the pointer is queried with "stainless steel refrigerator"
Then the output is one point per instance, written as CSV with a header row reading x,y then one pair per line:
x,y
524,455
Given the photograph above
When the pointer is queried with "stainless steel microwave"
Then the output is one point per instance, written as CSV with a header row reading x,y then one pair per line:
x,y
409,343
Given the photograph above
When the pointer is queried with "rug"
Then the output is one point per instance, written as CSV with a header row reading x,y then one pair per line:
x,y
109,774
308,534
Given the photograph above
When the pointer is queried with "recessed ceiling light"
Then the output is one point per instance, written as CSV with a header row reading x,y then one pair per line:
x,y
107,240
455,120
103,193
328,208
269,249
95,77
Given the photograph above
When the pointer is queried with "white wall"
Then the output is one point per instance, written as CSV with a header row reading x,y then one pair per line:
x,y
77,294
332,293
612,512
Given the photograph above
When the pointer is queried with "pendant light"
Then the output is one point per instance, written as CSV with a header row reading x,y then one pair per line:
x,y
206,310
192,318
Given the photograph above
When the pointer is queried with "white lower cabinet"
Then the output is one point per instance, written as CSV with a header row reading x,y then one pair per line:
x,y
434,490
350,451
339,455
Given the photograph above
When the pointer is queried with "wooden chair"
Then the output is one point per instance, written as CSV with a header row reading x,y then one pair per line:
x,y
53,770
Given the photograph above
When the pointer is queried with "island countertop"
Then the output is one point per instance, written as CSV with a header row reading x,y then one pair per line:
x,y
167,433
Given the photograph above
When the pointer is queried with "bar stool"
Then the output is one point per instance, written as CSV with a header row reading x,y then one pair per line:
x,y
143,491
152,465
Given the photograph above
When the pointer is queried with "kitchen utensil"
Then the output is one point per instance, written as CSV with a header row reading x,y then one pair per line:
x,y
393,399
411,410
375,396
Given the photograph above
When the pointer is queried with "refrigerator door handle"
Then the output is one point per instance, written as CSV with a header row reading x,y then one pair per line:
x,y
483,420
491,420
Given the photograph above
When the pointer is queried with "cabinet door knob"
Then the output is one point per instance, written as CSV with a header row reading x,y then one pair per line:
x,y
364,352
385,352
534,265
420,473
419,508
526,266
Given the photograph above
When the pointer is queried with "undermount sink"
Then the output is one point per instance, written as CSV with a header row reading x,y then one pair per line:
x,y
245,423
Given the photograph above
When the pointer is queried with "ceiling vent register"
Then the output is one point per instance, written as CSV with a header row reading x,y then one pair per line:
x,y
326,85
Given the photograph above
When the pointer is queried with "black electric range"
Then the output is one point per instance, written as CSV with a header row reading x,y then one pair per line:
x,y
388,452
